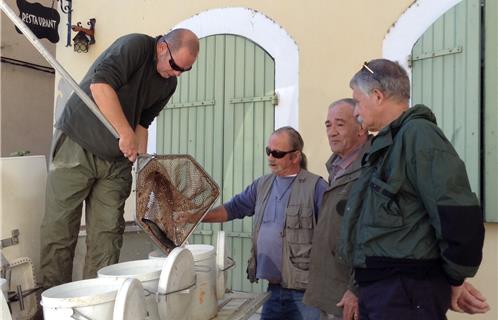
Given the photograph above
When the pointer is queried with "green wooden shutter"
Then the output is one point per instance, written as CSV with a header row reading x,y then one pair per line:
x,y
223,114
491,111
446,78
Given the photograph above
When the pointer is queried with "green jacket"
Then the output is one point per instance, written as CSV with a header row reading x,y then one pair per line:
x,y
412,206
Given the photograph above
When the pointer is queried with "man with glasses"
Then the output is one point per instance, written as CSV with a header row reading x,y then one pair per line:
x,y
331,285
130,82
412,228
284,206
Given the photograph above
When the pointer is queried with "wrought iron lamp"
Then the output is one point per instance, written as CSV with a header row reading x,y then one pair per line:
x,y
85,37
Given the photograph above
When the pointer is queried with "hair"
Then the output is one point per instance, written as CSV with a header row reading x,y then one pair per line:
x,y
296,143
349,101
384,75
179,38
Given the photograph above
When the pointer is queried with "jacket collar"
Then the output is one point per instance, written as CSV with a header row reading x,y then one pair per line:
x,y
385,137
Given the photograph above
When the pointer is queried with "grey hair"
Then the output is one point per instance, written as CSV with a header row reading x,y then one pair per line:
x,y
179,38
296,143
349,101
384,75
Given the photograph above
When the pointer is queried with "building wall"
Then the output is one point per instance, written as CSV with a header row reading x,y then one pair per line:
x,y
333,40
319,28
26,94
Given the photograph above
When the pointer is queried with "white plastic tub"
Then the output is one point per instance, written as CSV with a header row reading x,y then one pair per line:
x,y
147,272
93,299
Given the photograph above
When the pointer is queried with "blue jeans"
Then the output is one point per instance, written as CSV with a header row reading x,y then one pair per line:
x,y
287,304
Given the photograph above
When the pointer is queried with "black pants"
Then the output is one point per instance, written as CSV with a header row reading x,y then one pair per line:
x,y
403,297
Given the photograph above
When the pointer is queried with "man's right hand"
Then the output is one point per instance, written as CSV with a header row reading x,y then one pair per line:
x,y
128,145
349,305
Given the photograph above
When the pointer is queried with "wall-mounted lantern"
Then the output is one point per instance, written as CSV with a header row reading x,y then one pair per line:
x,y
84,37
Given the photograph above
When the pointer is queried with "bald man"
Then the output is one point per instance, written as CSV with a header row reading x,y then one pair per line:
x,y
331,286
130,82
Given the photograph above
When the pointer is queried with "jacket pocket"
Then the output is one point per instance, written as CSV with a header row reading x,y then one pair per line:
x,y
383,200
299,224
299,234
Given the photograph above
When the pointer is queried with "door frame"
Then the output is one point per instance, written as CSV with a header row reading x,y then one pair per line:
x,y
269,35
411,25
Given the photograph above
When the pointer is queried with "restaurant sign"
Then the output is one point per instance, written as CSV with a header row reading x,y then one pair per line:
x,y
43,21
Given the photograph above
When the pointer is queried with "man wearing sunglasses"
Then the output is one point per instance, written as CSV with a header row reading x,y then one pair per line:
x,y
284,206
331,285
130,82
412,228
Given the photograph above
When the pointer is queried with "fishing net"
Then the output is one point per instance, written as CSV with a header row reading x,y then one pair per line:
x,y
172,189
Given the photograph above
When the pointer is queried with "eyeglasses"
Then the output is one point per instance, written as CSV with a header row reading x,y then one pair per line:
x,y
173,64
277,154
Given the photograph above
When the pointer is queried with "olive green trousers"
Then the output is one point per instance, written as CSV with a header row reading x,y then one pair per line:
x,y
76,176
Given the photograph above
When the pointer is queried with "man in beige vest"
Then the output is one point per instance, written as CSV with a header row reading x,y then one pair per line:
x,y
285,206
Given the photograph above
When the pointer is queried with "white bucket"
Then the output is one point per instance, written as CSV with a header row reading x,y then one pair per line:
x,y
147,272
157,254
205,300
93,299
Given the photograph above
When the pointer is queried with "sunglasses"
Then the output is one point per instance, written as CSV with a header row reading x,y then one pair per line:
x,y
173,64
368,68
277,154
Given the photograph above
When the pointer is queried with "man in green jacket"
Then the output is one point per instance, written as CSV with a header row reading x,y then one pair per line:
x,y
331,287
412,228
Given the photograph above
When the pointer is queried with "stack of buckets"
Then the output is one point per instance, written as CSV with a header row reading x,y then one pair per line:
x,y
96,299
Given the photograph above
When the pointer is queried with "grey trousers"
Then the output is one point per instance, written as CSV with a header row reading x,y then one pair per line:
x,y
76,176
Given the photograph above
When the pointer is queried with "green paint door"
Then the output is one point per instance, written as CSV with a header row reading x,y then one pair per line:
x,y
222,114
446,77
490,121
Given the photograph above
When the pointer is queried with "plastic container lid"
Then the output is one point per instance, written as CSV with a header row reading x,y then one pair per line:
x,y
176,285
130,301
220,264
